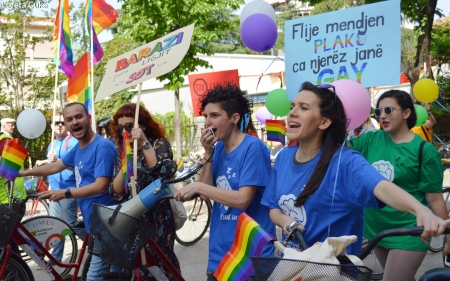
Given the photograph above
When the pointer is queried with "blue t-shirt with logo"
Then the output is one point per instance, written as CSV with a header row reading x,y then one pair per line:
x,y
246,165
339,208
66,178
95,160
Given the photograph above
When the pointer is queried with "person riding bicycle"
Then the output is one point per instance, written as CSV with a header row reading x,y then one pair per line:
x,y
410,162
325,185
154,160
92,159
235,172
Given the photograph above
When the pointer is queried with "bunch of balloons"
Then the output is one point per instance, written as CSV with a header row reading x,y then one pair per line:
x,y
258,26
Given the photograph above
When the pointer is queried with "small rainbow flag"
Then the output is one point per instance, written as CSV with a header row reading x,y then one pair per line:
x,y
127,161
61,39
13,156
104,15
276,131
30,165
249,241
180,165
96,48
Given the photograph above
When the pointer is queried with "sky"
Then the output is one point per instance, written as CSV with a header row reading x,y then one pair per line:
x,y
106,35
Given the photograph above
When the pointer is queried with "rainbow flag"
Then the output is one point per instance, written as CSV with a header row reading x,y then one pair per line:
x,y
96,47
180,165
104,15
30,165
276,131
13,156
249,241
62,50
127,161
78,89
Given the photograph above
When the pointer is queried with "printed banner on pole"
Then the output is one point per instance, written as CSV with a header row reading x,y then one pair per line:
x,y
199,84
361,44
145,62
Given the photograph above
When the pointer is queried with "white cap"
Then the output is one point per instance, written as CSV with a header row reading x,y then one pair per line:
x,y
7,120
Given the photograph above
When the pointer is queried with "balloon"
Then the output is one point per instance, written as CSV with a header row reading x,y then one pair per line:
x,y
262,114
426,90
422,115
259,32
277,102
356,101
258,7
31,123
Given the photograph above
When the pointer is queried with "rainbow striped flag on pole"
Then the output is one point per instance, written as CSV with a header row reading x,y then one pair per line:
x,y
62,50
78,89
180,165
249,241
276,131
104,15
13,156
127,162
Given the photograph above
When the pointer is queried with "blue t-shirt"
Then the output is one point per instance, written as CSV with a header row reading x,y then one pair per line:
x,y
355,184
66,178
91,162
247,165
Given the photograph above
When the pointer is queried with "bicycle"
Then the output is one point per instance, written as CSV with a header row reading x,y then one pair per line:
x,y
437,243
36,206
198,213
37,236
264,267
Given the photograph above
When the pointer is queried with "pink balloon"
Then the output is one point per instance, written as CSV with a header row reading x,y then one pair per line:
x,y
356,101
262,114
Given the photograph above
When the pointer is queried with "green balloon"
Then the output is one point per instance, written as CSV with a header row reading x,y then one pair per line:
x,y
422,115
277,102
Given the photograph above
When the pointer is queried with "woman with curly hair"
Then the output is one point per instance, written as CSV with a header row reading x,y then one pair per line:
x,y
154,160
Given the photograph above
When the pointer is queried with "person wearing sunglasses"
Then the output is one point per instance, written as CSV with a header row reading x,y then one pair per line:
x,y
406,160
325,185
154,160
65,209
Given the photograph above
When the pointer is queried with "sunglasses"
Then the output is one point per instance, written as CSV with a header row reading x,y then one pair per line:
x,y
388,110
59,123
127,126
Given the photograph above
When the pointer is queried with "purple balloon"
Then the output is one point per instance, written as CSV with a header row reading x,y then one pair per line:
x,y
259,32
262,114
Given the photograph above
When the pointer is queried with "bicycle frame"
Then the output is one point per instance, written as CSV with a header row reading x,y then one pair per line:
x,y
36,251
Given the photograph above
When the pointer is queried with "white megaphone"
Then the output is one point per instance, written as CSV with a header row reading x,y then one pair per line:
x,y
144,201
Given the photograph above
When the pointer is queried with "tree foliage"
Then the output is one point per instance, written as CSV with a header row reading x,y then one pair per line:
x,y
440,51
285,13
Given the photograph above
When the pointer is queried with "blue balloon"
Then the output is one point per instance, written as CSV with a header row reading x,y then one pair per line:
x,y
259,32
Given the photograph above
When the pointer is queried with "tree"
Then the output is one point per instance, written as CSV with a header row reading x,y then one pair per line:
x,y
285,12
439,50
420,12
144,21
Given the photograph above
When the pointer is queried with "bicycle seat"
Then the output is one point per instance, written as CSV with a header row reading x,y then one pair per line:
x,y
436,274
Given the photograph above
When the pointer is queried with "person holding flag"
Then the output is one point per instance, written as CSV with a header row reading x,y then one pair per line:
x,y
154,160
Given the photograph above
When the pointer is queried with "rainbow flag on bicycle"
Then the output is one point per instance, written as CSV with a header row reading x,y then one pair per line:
x,y
180,166
13,157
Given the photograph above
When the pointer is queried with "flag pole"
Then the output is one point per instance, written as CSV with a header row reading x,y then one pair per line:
x,y
91,80
57,59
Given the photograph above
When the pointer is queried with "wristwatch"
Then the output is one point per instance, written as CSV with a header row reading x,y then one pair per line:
x,y
146,145
68,194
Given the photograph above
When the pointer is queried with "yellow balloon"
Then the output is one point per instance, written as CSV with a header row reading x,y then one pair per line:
x,y
426,90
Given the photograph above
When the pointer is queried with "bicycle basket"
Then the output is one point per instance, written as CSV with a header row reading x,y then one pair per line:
x,y
8,221
276,269
117,238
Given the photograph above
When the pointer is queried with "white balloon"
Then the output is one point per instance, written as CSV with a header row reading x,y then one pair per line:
x,y
31,123
258,7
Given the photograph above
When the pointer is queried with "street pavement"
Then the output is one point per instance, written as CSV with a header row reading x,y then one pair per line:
x,y
193,259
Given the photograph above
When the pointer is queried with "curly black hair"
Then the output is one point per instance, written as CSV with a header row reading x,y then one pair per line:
x,y
230,98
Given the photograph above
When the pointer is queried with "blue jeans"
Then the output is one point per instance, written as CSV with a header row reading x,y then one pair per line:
x,y
98,267
65,209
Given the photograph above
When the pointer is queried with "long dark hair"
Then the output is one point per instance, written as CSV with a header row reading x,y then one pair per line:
x,y
405,101
330,107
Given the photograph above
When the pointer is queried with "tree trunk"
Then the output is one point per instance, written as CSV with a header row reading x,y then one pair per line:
x,y
423,43
178,125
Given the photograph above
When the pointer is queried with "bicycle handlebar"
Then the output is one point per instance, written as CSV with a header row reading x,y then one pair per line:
x,y
411,231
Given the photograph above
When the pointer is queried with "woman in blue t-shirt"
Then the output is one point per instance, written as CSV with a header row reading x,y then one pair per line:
x,y
235,173
323,184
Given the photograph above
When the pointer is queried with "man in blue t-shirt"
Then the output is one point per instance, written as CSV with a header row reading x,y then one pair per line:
x,y
93,161
65,209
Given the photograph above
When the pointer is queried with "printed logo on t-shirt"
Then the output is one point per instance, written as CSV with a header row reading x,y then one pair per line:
x,y
222,182
286,204
385,168
77,173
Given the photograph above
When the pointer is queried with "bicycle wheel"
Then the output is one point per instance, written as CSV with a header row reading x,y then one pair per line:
x,y
36,207
70,242
371,262
197,223
16,269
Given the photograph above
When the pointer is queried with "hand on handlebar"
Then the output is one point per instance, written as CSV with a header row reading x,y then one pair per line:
x,y
433,225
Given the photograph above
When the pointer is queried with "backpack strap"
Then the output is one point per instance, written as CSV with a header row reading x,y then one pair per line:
x,y
424,133
420,154
66,145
